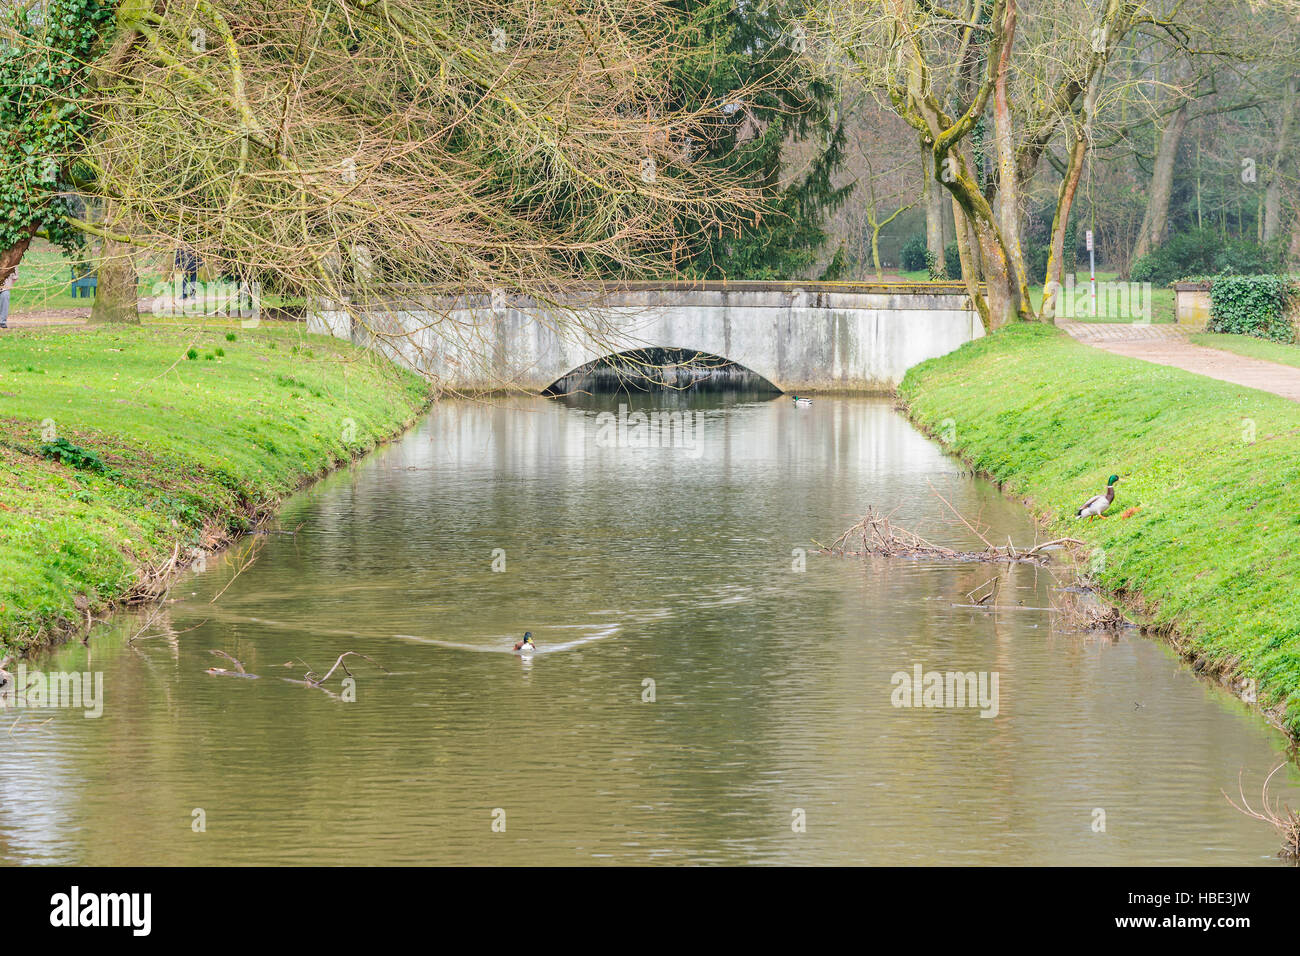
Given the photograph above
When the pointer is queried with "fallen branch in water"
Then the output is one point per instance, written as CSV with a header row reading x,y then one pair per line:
x,y
150,637
311,678
307,683
1083,611
991,584
1272,811
986,541
315,682
14,725
152,583
881,537
877,536
224,672
254,548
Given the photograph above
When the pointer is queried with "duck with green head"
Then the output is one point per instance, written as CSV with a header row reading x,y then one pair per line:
x,y
1095,507
526,645
801,402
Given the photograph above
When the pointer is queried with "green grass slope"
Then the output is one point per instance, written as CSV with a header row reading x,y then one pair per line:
x,y
116,447
1250,347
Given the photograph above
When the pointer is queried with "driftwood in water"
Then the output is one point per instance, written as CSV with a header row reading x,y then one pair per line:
x,y
310,679
225,672
1272,811
316,682
875,534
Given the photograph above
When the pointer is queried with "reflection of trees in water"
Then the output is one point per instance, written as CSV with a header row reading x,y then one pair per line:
x,y
661,369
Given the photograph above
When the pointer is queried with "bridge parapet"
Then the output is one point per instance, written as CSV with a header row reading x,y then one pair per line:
x,y
801,336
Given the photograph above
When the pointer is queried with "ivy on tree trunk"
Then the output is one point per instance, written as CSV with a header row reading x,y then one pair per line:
x,y
44,74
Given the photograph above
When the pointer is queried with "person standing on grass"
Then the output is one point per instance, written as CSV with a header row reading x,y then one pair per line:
x,y
4,299
186,262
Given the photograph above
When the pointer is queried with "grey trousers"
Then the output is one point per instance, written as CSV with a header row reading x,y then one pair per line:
x,y
4,308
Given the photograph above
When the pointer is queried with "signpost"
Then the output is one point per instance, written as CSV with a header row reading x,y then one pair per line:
x,y
1092,272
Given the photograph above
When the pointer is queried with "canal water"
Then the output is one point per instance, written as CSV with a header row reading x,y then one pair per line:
x,y
707,688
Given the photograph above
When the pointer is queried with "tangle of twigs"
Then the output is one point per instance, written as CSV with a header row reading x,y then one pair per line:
x,y
1272,811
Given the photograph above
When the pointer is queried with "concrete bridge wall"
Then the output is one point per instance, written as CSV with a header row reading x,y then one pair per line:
x,y
803,337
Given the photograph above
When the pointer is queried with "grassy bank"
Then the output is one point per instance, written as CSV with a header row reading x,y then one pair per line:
x,y
1209,557
1250,347
120,445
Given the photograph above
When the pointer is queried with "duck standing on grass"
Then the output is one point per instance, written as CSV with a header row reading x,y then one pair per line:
x,y
526,645
1095,507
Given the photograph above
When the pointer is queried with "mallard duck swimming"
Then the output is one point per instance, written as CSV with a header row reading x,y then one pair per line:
x,y
802,402
526,646
1097,504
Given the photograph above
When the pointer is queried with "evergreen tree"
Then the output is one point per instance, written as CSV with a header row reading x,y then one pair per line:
x,y
738,42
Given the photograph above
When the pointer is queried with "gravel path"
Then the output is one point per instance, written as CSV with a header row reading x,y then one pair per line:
x,y
1167,344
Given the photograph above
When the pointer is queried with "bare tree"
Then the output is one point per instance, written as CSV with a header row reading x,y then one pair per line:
x,y
948,72
332,149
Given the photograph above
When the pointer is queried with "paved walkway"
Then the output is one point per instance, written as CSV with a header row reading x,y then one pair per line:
x,y
46,319
1167,344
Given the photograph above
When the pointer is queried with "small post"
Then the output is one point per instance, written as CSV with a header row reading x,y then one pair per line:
x,y
1092,271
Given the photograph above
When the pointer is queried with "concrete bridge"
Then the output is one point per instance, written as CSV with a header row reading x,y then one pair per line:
x,y
800,336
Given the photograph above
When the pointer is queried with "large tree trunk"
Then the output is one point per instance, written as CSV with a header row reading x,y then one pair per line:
x,y
116,297
1156,218
1012,258
968,253
1295,240
999,280
1054,281
1272,226
1003,266
10,258
934,243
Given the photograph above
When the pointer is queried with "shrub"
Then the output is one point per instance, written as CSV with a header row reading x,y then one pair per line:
x,y
1036,259
834,271
74,456
913,254
952,259
1203,252
1257,305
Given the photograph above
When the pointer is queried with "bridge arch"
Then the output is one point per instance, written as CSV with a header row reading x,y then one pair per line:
x,y
661,367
